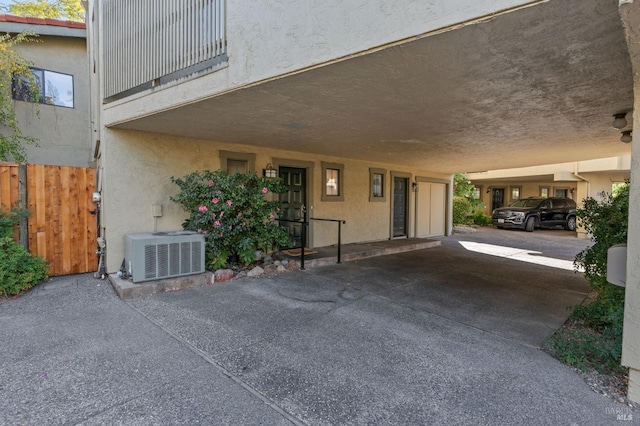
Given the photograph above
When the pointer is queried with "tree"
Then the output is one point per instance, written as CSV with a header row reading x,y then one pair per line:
x,y
12,64
61,9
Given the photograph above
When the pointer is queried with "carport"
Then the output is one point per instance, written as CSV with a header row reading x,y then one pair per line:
x,y
533,85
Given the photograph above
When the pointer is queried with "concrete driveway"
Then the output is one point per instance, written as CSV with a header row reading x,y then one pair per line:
x,y
436,336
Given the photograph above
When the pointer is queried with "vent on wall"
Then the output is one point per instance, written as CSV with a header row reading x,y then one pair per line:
x,y
153,256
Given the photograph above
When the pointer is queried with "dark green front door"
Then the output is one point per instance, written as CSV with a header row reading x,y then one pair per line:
x,y
497,198
400,206
293,202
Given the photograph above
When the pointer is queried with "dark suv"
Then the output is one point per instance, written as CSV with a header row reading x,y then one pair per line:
x,y
536,212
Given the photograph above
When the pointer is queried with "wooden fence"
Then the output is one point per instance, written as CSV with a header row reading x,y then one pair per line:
x,y
61,227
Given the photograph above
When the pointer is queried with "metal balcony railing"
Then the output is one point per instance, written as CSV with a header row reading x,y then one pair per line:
x,y
149,42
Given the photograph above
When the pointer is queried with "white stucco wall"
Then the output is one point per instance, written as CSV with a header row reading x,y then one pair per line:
x,y
270,39
63,134
136,168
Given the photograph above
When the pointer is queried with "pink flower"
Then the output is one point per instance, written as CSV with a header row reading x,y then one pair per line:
x,y
229,202
216,223
199,231
230,227
218,192
214,200
211,183
239,214
203,208
277,209
205,232
265,190
213,215
272,216
221,214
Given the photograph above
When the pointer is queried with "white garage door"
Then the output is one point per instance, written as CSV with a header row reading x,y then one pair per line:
x,y
431,209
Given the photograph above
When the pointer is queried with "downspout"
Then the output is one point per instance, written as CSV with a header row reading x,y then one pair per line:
x,y
576,174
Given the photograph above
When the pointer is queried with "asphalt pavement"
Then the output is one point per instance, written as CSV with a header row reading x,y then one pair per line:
x,y
436,336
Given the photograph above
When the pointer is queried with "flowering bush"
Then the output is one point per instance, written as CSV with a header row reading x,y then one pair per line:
x,y
234,213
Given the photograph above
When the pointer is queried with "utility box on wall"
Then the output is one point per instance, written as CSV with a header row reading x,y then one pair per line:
x,y
158,255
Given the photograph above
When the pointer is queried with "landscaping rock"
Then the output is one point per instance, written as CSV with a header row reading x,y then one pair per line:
x,y
463,229
255,272
222,275
284,263
269,269
293,265
281,268
268,260
277,263
241,274
258,255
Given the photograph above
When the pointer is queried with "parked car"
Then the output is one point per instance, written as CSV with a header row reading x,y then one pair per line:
x,y
536,212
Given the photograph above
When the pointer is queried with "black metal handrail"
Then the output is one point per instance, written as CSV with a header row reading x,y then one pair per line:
x,y
305,224
340,222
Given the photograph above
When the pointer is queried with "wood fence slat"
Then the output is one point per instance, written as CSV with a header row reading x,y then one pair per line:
x,y
60,212
32,206
8,186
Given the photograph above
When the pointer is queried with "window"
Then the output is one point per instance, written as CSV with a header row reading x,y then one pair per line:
x,y
544,191
237,162
54,88
561,192
377,181
333,184
477,192
333,177
515,193
237,166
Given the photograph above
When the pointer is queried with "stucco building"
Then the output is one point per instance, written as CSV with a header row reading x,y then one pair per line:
x,y
370,106
60,120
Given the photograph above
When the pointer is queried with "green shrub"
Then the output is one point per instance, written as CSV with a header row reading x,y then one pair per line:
x,y
596,339
233,212
481,219
461,208
19,270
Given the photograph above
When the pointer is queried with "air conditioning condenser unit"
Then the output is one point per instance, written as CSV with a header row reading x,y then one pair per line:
x,y
158,255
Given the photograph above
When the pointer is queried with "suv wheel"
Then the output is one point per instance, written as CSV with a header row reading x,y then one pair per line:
x,y
531,223
571,224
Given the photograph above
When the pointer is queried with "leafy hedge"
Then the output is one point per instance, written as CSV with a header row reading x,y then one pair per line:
x,y
596,340
19,270
461,208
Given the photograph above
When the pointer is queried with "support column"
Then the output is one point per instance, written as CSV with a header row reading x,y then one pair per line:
x,y
630,15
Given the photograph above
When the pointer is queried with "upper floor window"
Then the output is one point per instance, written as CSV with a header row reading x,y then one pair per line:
x,y
54,88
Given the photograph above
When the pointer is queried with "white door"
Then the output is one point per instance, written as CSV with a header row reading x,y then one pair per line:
x,y
430,209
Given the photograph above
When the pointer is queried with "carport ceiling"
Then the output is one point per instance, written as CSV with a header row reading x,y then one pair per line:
x,y
533,86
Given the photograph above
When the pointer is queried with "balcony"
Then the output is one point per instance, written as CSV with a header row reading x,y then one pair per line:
x,y
151,42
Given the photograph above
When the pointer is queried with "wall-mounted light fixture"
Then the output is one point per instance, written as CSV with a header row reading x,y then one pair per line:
x,y
626,136
619,120
270,171
414,186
